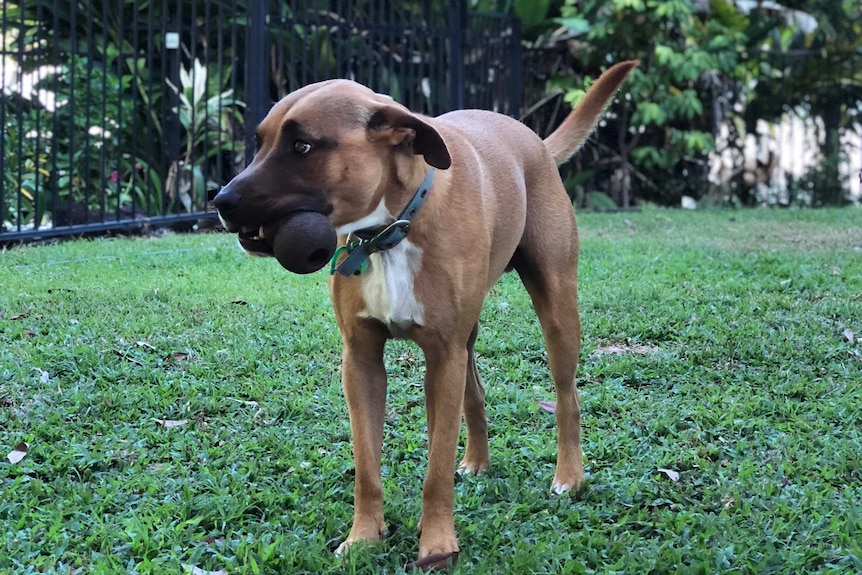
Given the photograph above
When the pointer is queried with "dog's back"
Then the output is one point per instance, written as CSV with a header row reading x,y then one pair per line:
x,y
498,154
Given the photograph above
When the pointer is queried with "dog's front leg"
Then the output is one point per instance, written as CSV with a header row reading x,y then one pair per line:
x,y
445,376
363,376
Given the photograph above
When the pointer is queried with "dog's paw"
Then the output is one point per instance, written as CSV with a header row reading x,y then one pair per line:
x,y
568,482
433,563
560,488
365,530
437,544
473,467
437,538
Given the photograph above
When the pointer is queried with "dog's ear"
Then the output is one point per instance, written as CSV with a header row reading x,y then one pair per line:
x,y
400,127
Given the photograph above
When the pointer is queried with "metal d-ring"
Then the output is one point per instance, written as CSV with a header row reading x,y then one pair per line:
x,y
398,225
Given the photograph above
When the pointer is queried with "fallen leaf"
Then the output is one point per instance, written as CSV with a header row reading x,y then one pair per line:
x,y
214,541
671,474
662,504
250,403
195,570
407,357
171,423
620,349
19,316
549,406
177,356
145,345
128,358
18,453
851,337
44,376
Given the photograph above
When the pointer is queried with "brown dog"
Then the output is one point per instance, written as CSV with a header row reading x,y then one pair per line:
x,y
336,158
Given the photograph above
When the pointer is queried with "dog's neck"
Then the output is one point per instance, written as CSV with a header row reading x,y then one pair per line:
x,y
405,177
380,237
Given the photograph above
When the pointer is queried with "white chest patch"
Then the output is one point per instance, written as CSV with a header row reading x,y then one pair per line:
x,y
387,286
375,218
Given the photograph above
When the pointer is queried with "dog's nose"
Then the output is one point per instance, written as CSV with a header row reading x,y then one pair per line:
x,y
227,200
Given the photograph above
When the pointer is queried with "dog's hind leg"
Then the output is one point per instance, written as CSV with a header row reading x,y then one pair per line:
x,y
476,457
547,262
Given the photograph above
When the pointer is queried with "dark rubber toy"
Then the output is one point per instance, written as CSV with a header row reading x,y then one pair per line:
x,y
304,242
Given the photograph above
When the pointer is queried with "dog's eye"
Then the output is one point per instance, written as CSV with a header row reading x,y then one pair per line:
x,y
301,147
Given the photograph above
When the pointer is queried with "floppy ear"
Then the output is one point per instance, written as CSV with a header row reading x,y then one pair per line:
x,y
400,127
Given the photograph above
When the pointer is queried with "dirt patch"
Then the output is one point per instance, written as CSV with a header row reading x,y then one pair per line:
x,y
622,349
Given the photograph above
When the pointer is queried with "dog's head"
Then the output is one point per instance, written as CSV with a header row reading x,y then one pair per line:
x,y
325,157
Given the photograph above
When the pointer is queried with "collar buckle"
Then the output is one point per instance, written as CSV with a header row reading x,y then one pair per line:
x,y
389,237
371,240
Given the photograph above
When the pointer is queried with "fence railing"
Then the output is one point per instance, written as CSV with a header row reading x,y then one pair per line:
x,y
119,114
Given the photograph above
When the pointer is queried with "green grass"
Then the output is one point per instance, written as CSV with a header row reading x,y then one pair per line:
x,y
737,375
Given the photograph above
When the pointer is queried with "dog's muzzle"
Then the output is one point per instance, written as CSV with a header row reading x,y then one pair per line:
x,y
302,242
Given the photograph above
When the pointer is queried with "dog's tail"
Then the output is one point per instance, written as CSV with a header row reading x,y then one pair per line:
x,y
568,138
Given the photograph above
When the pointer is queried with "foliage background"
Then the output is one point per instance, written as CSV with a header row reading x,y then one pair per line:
x,y
130,134
710,70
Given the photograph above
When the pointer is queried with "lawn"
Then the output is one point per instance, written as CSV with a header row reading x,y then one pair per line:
x,y
181,406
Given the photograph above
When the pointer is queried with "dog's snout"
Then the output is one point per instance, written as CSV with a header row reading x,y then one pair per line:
x,y
227,200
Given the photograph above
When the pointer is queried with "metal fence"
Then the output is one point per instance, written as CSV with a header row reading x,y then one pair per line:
x,y
120,114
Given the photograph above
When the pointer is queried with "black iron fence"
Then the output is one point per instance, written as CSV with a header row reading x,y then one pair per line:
x,y
120,114
115,113
426,55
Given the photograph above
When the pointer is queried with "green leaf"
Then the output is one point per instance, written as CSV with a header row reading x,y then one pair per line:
x,y
649,113
575,25
574,97
728,15
664,55
532,12
637,5
647,156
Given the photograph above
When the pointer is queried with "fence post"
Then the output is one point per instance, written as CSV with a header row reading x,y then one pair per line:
x,y
516,80
457,28
255,73
171,30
